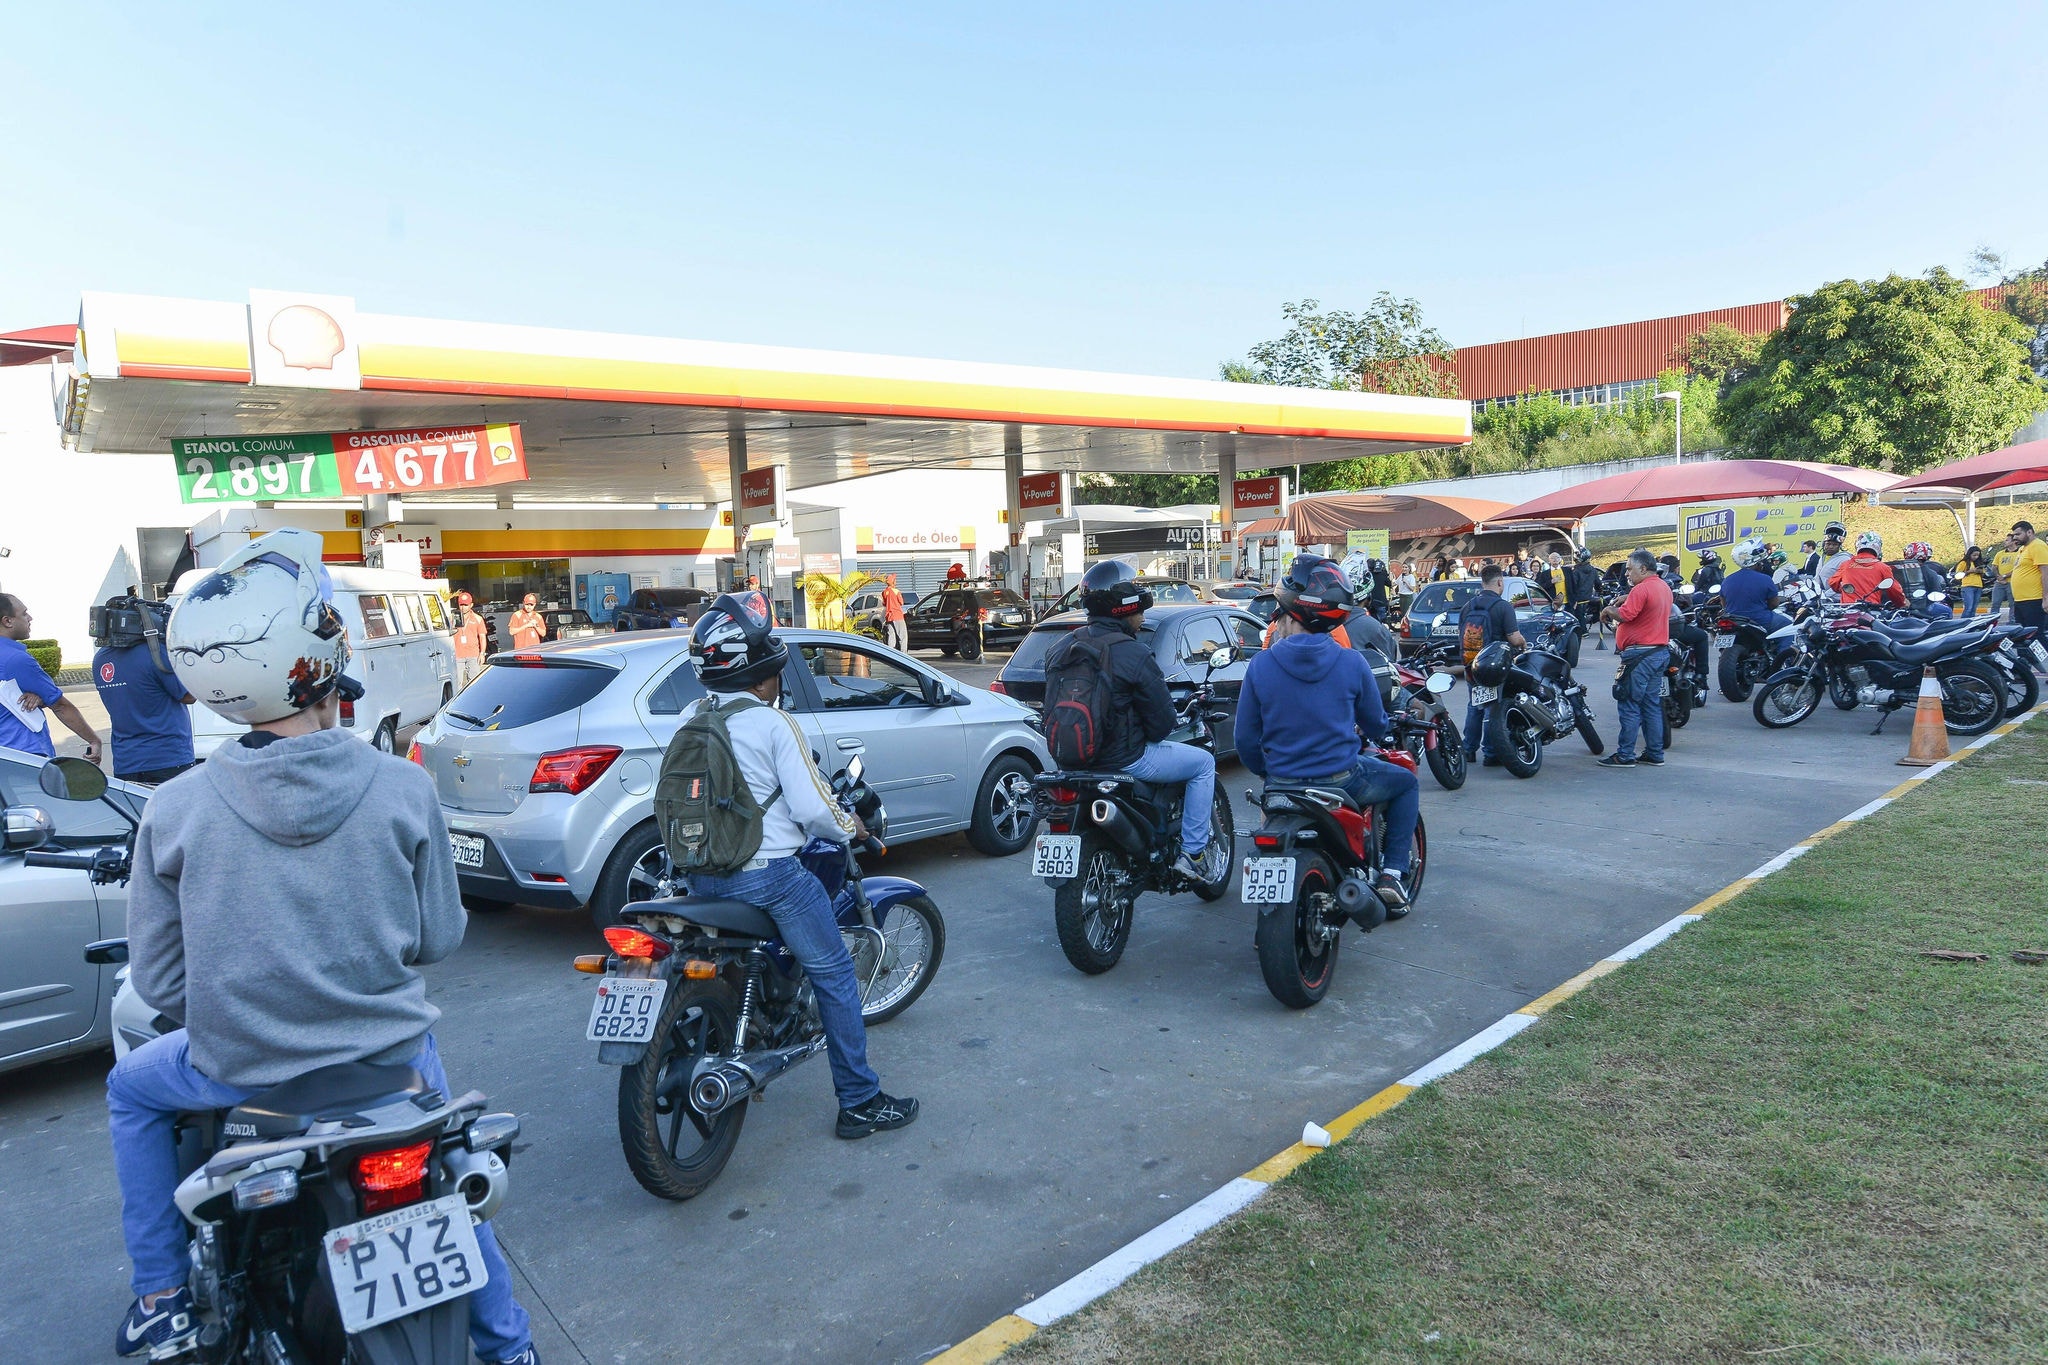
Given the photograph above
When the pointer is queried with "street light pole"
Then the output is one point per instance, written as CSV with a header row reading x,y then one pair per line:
x,y
1677,400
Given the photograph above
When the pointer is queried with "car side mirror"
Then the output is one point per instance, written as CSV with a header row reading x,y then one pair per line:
x,y
72,779
27,827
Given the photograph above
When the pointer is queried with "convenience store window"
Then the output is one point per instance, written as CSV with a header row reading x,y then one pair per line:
x,y
498,584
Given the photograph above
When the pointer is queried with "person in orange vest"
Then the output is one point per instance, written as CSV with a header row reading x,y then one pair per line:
x,y
529,627
1859,578
895,630
470,635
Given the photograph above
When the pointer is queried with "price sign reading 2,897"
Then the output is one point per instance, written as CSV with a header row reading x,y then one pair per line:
x,y
347,464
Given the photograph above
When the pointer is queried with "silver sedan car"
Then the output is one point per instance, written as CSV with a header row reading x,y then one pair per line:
x,y
54,1003
546,763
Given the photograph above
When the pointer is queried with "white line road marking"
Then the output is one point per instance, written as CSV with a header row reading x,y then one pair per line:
x,y
1661,932
1127,1260
1778,863
1478,1045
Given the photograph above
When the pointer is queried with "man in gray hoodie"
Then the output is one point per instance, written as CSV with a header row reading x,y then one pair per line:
x,y
285,893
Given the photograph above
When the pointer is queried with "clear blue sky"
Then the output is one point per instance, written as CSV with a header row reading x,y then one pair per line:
x,y
1130,187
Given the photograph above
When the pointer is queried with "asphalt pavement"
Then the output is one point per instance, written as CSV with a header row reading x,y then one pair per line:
x,y
1063,1114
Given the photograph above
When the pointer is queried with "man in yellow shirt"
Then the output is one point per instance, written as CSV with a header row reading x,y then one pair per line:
x,y
2026,575
2001,564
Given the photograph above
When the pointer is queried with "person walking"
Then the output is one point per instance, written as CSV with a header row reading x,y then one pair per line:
x,y
529,627
895,629
1969,576
26,692
1642,636
471,638
2028,562
152,730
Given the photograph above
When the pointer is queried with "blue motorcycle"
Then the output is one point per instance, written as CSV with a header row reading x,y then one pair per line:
x,y
702,1005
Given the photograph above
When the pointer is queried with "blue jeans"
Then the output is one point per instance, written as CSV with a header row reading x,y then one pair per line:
x,y
797,902
1475,727
155,1083
1168,761
1643,703
1373,780
1971,596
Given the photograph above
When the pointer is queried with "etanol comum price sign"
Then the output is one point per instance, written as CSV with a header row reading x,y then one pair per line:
x,y
347,464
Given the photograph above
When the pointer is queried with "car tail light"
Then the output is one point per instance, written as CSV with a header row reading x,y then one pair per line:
x,y
392,1178
1266,841
982,615
997,687
1405,632
348,712
630,942
412,754
529,661
572,770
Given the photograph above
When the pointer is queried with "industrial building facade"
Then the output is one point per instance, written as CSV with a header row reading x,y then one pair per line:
x,y
1599,365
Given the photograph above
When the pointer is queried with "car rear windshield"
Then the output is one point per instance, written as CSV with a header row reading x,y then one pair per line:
x,y
679,597
1444,596
1032,649
508,695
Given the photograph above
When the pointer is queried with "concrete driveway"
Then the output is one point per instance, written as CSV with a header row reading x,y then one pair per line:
x,y
1063,1114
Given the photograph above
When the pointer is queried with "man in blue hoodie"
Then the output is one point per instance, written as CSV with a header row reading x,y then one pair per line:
x,y
1309,705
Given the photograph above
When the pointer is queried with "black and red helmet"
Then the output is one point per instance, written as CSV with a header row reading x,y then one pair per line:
x,y
1315,592
733,643
1111,588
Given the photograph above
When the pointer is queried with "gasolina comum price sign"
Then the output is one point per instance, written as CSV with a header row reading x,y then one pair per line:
x,y
347,464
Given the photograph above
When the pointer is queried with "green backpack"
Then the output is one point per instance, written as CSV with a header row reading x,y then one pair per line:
x,y
705,810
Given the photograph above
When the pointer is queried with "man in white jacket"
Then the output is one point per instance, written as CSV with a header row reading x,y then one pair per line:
x,y
735,651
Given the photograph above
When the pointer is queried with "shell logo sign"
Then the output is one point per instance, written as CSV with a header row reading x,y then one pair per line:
x,y
303,341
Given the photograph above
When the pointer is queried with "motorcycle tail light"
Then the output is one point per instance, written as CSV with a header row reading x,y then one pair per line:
x,y
1066,796
1725,623
1266,841
1059,827
630,942
392,1178
572,770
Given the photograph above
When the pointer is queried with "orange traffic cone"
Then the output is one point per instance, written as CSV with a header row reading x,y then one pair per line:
x,y
1929,745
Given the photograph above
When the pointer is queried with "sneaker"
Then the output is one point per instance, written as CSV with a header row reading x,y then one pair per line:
x,y
882,1112
529,1356
1215,860
164,1331
1656,762
1388,889
1189,865
1617,761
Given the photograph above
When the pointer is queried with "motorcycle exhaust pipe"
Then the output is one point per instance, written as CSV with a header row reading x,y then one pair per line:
x,y
724,1083
1537,714
1111,820
480,1178
1359,902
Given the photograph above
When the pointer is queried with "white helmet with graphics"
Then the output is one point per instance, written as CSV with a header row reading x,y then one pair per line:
x,y
1357,570
1752,553
257,639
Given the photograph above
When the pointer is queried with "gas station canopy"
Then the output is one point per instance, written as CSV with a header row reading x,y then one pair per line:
x,y
616,418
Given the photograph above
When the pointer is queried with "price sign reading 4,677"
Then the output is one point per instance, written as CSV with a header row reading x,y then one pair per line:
x,y
348,463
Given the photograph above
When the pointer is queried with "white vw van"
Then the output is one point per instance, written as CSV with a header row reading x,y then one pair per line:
x,y
398,632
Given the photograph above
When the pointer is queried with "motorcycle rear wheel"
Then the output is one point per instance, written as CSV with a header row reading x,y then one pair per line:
x,y
1737,673
1297,971
1972,697
1222,826
1783,702
1447,759
2022,689
1588,731
1514,741
696,1021
1678,706
1092,914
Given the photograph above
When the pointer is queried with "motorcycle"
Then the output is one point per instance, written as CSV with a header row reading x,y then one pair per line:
x,y
333,1216
1973,692
1314,859
1110,838
1534,698
1424,723
702,1005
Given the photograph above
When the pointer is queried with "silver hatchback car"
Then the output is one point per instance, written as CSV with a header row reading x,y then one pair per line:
x,y
546,763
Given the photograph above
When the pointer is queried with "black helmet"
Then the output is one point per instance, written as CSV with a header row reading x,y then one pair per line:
x,y
1709,556
1111,588
1490,665
1315,593
1585,555
733,644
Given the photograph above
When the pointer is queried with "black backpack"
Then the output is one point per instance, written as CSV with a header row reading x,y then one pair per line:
x,y
1078,702
703,806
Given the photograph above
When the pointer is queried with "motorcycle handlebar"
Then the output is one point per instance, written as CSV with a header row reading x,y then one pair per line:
x,y
75,862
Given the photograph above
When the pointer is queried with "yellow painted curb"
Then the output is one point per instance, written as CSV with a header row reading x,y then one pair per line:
x,y
1341,1126
1281,1164
1542,1004
987,1344
1723,896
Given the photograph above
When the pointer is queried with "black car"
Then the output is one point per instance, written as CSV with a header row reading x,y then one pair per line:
x,y
660,609
1181,637
1432,617
947,620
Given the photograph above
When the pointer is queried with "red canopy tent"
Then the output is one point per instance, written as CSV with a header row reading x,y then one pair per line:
x,y
2026,462
1705,481
1324,518
37,343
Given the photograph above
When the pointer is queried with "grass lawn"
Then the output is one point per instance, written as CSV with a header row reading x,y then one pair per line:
x,y
1780,1137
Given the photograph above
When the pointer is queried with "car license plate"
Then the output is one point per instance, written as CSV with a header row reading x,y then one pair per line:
x,y
1723,641
400,1262
1482,695
467,848
1056,855
625,1009
1267,881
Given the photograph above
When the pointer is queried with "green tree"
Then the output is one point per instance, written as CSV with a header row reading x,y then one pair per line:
x,y
1385,349
1144,490
1721,353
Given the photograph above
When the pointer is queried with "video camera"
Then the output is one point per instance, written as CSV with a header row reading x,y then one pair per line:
x,y
127,621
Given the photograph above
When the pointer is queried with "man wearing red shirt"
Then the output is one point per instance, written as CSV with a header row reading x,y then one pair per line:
x,y
895,631
1860,577
1642,636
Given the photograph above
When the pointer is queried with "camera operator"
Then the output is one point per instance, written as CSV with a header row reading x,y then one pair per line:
x,y
145,702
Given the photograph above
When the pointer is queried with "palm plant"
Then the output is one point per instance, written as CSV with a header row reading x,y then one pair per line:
x,y
828,595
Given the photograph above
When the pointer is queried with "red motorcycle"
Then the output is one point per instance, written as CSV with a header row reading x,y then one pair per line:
x,y
1314,859
1421,719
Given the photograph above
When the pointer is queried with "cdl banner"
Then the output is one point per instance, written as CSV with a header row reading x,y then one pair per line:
x,y
347,464
1719,526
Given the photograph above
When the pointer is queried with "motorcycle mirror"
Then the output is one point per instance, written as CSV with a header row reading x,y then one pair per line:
x,y
72,779
854,768
1222,658
1440,683
1937,597
1919,592
1686,590
1887,583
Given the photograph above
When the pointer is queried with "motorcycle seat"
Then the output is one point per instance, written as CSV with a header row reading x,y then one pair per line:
x,y
713,912
330,1094
1311,790
1918,629
1931,648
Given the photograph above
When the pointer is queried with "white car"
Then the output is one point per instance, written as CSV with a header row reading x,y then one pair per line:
x,y
404,656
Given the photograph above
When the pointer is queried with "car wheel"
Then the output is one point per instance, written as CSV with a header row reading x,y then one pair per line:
x,y
1004,812
969,645
385,741
638,870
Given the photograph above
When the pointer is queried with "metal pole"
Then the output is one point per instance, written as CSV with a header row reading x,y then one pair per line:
x,y
1013,470
1226,498
1678,427
736,470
